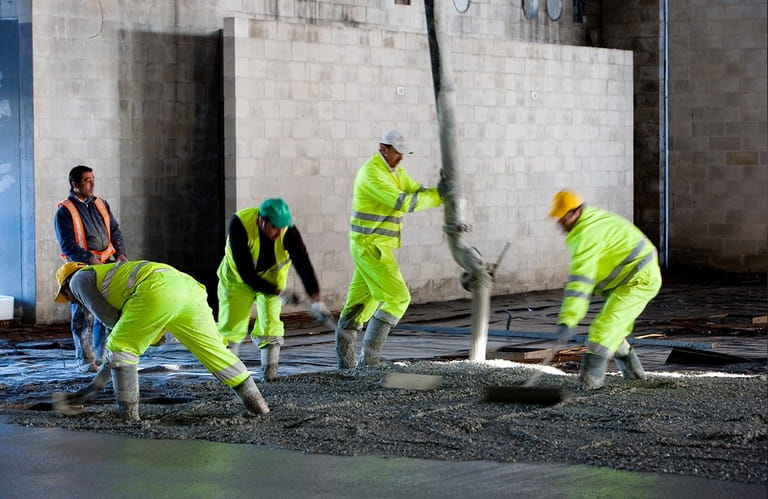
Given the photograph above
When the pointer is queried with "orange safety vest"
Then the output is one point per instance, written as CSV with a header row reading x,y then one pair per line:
x,y
77,225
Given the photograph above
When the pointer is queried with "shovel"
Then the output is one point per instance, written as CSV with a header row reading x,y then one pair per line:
x,y
527,393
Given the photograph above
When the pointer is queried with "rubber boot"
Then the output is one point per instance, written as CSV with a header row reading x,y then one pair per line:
x,y
251,396
630,366
592,373
373,341
346,343
270,355
71,404
125,382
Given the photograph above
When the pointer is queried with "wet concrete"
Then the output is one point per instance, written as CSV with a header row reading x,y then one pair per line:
x,y
51,462
41,461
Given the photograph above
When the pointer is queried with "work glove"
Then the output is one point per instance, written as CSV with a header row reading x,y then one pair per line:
x,y
564,334
321,313
442,187
289,297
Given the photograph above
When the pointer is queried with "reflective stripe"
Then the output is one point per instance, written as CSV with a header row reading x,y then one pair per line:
x,y
569,293
400,201
378,230
79,228
283,264
107,222
118,357
370,217
108,278
617,270
579,278
414,202
131,282
598,349
386,317
230,372
134,273
642,263
77,223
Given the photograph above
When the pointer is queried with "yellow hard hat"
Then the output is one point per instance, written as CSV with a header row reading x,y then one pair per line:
x,y
563,202
64,272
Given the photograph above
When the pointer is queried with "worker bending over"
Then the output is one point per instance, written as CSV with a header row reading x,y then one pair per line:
x,y
262,243
611,257
139,301
382,195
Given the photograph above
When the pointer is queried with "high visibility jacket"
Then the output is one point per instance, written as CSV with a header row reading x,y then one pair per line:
x,y
277,274
79,228
117,281
606,251
380,199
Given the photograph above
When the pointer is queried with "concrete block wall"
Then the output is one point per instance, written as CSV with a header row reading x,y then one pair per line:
x,y
117,88
306,104
134,90
719,134
635,26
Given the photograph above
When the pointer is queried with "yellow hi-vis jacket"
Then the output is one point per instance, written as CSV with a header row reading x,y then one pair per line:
x,y
117,281
277,274
380,199
606,252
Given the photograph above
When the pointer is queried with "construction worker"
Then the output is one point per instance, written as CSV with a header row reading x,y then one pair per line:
x,y
261,245
383,194
139,301
611,257
89,233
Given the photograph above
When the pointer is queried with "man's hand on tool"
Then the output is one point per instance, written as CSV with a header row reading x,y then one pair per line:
x,y
321,313
564,334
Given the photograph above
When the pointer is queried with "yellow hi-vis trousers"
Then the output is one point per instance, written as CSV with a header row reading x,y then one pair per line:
x,y
235,302
173,301
624,304
377,280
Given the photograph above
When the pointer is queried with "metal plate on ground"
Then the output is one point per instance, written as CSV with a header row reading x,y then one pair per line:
x,y
695,356
519,354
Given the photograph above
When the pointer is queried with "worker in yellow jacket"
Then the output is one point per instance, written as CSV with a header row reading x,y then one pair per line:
x,y
140,300
262,244
611,257
383,194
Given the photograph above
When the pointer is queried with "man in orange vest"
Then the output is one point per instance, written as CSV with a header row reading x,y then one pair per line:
x,y
88,233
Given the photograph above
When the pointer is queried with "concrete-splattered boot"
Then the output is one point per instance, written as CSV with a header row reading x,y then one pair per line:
x,y
125,382
346,343
592,373
628,363
270,356
251,397
373,341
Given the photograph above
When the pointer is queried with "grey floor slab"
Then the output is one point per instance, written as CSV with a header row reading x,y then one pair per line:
x,y
52,462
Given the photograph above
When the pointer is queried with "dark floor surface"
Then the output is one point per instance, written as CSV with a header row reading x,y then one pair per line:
x,y
720,319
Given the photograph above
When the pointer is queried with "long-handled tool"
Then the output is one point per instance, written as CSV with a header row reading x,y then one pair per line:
x,y
397,379
527,393
71,403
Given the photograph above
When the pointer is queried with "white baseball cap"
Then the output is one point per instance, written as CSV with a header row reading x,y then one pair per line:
x,y
395,139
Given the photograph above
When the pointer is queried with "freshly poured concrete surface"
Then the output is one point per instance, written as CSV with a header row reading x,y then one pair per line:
x,y
51,462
